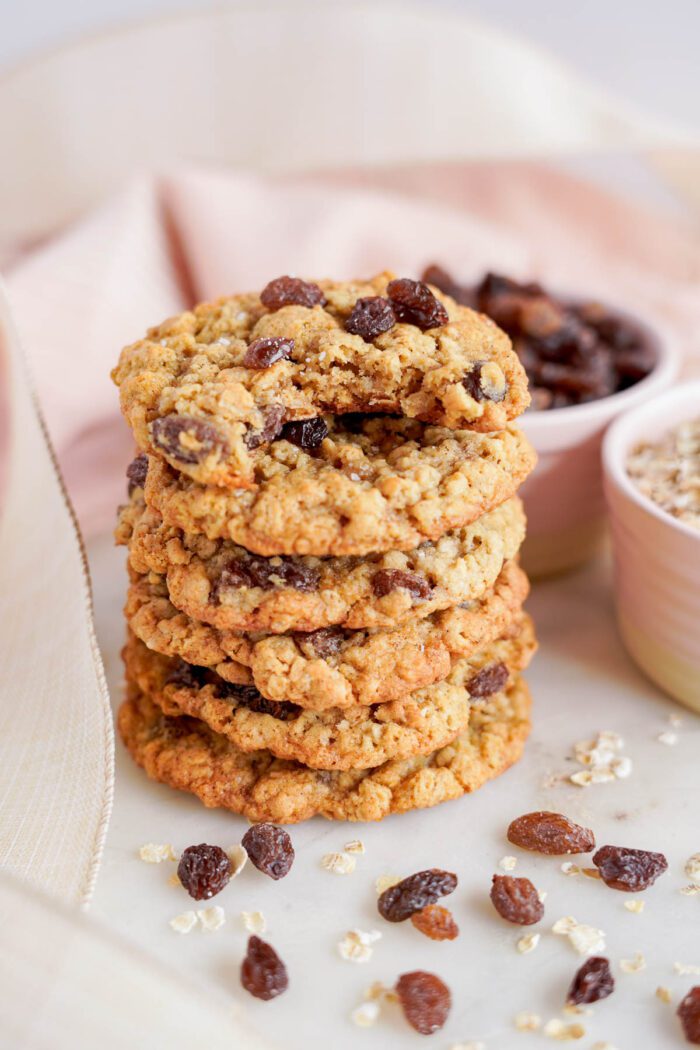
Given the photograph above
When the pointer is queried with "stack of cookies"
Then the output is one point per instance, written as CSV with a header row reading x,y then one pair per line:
x,y
325,603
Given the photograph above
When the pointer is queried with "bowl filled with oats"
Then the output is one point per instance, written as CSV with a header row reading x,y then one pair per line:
x,y
586,362
651,460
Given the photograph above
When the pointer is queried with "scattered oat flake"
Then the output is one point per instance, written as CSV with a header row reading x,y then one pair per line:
x,y
238,857
507,863
637,907
526,1021
184,923
356,945
663,993
603,1046
590,873
586,940
154,853
692,868
528,943
174,879
478,1045
668,737
254,921
338,863
542,894
366,1014
575,1010
563,1032
635,965
601,760
569,868
356,846
675,720
212,918
385,882
690,891
380,992
686,969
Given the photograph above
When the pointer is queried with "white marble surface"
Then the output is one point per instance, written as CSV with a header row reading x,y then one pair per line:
x,y
582,682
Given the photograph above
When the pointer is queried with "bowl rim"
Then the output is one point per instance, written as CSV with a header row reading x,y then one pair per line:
x,y
664,344
618,439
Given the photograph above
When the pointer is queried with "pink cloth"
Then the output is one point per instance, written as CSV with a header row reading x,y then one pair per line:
x,y
166,242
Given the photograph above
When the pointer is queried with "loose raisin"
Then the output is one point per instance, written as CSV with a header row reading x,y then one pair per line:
x,y
489,680
689,1014
187,440
370,317
592,982
551,833
262,353
273,418
516,900
291,291
270,849
253,571
436,922
425,1000
414,893
306,433
386,580
630,870
263,973
414,303
136,472
204,871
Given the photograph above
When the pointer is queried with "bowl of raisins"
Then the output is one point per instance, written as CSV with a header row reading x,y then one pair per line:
x,y
587,363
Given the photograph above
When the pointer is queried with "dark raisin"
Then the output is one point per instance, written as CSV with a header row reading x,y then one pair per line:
x,y
325,642
370,317
386,580
414,893
263,973
630,870
436,922
187,440
250,697
489,680
136,472
306,433
414,303
204,871
425,1000
551,833
689,1014
253,571
264,352
475,385
592,982
273,418
291,291
516,900
440,278
186,676
270,849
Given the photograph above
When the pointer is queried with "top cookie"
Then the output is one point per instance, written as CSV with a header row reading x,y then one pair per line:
x,y
206,391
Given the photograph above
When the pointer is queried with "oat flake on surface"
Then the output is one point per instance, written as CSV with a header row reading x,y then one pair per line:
x,y
356,846
254,921
156,853
692,868
686,969
366,1014
338,863
528,943
637,907
356,945
563,1032
184,923
174,879
668,738
526,1021
635,965
478,1045
586,940
238,857
385,882
212,919
507,863
663,993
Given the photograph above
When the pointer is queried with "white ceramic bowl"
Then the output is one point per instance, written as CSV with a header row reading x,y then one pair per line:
x,y
657,558
564,495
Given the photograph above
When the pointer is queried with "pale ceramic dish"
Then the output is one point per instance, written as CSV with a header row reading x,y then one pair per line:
x,y
564,495
657,557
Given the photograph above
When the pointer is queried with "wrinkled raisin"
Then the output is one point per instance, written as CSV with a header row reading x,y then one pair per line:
x,y
187,440
551,833
436,922
250,697
440,278
325,642
414,893
689,1014
291,291
425,1000
630,870
273,418
386,580
414,303
516,900
306,433
262,353
592,982
489,680
136,472
263,973
475,385
270,849
186,676
253,571
370,317
204,871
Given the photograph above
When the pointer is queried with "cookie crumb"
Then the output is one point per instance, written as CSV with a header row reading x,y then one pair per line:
x,y
184,923
663,993
356,945
637,907
635,965
155,853
356,846
338,863
254,921
212,918
528,943
526,1021
507,863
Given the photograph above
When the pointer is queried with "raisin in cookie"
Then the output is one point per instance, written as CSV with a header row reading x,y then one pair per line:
x,y
331,667
222,584
340,738
185,754
209,390
373,484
